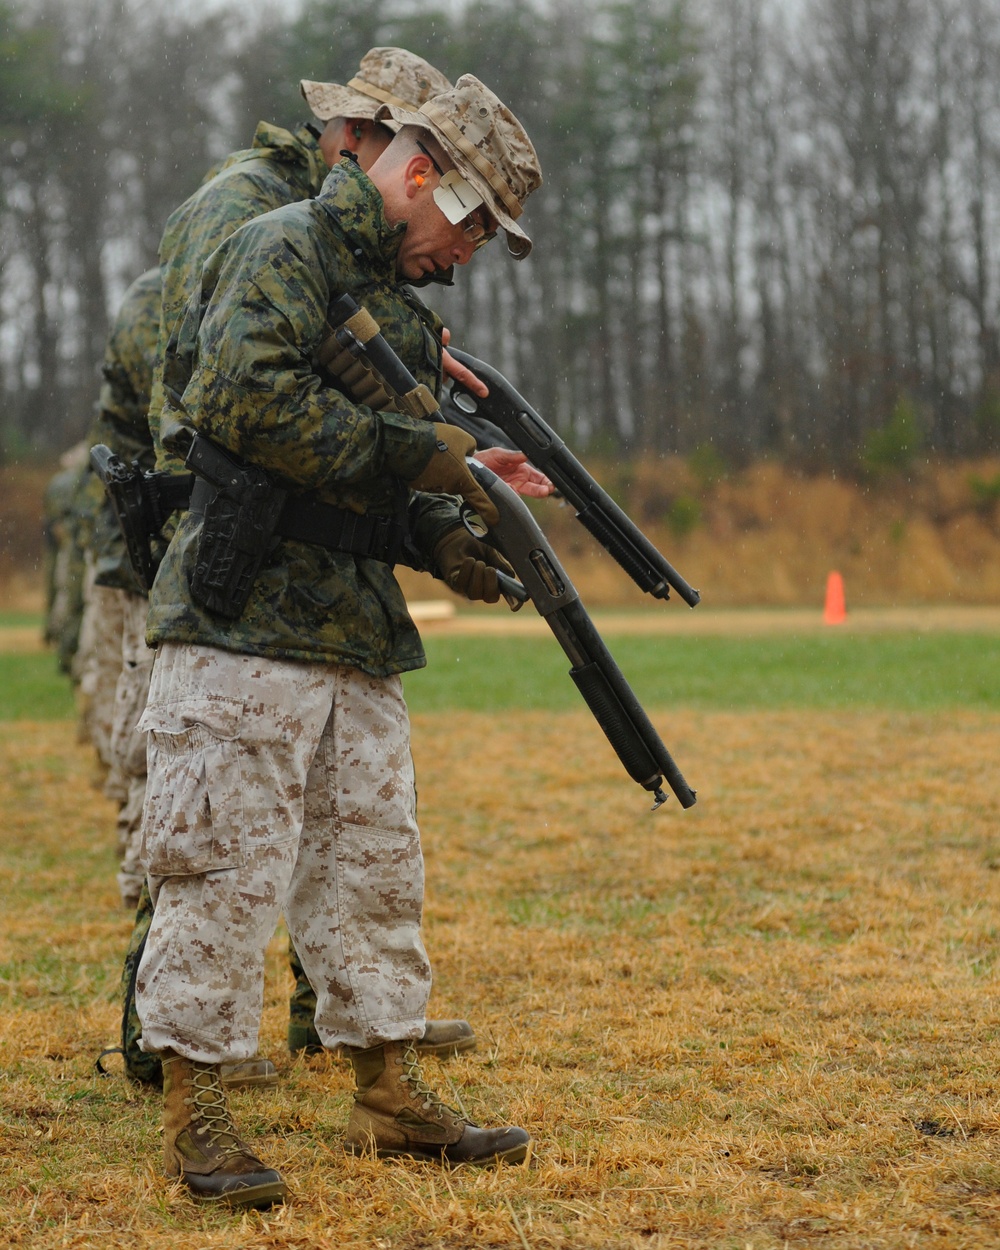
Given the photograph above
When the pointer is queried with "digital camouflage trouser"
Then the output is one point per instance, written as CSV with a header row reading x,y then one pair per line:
x,y
96,666
128,745
138,1065
278,787
145,1068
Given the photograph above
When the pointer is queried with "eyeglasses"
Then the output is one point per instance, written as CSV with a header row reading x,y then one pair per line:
x,y
473,228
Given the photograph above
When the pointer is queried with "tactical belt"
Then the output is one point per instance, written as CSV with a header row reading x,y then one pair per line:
x,y
337,529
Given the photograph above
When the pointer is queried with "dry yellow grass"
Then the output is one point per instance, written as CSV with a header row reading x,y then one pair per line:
x,y
767,1022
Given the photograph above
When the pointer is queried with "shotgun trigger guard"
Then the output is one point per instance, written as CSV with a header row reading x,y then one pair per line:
x,y
473,522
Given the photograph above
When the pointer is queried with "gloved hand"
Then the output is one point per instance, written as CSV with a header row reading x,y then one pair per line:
x,y
469,566
447,473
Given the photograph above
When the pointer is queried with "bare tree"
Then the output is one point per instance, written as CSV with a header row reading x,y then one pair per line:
x,y
768,228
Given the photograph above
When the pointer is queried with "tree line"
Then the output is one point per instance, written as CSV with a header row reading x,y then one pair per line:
x,y
766,229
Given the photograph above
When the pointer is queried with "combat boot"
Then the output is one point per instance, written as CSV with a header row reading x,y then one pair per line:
x,y
441,1038
396,1113
201,1144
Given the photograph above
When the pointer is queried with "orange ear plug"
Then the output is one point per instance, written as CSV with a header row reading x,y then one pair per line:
x,y
418,179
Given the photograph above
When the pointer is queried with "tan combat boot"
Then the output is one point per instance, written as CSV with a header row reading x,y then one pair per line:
x,y
396,1113
200,1141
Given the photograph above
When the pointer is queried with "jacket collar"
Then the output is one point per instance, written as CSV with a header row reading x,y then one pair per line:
x,y
300,147
355,208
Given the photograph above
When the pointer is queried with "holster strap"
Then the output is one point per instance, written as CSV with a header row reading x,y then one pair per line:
x,y
306,519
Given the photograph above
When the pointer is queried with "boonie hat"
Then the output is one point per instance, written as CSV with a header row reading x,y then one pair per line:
x,y
385,76
488,145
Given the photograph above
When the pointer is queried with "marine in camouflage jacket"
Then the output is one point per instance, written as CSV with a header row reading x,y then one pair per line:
x,y
123,411
242,364
279,168
65,509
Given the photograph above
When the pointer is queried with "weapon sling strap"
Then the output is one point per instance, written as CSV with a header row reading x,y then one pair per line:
x,y
344,356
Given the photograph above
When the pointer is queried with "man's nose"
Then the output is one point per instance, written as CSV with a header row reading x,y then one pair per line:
x,y
462,250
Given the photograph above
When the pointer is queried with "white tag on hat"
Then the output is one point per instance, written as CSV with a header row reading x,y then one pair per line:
x,y
455,197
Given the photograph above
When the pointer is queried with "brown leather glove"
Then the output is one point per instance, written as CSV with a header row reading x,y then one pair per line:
x,y
447,473
469,566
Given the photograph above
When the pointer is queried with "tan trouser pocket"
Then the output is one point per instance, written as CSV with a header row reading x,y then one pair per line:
x,y
193,815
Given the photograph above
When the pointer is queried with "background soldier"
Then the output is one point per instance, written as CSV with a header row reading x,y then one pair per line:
x,y
123,425
64,555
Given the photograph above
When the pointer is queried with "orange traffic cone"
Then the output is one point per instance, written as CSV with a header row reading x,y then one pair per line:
x,y
835,612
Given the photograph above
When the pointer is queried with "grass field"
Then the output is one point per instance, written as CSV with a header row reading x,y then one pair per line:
x,y
501,674
769,1021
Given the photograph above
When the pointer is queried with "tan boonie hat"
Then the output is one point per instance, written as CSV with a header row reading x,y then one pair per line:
x,y
385,76
488,145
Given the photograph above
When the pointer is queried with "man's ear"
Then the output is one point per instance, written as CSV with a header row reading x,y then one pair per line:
x,y
415,173
352,132
335,138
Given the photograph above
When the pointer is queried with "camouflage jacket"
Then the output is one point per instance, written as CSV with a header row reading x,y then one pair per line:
x,y
123,411
242,362
279,168
64,506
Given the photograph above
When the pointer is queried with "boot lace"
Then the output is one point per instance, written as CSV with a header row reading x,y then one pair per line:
x,y
419,1089
210,1109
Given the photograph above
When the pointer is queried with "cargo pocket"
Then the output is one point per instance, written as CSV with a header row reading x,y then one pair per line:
x,y
193,814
